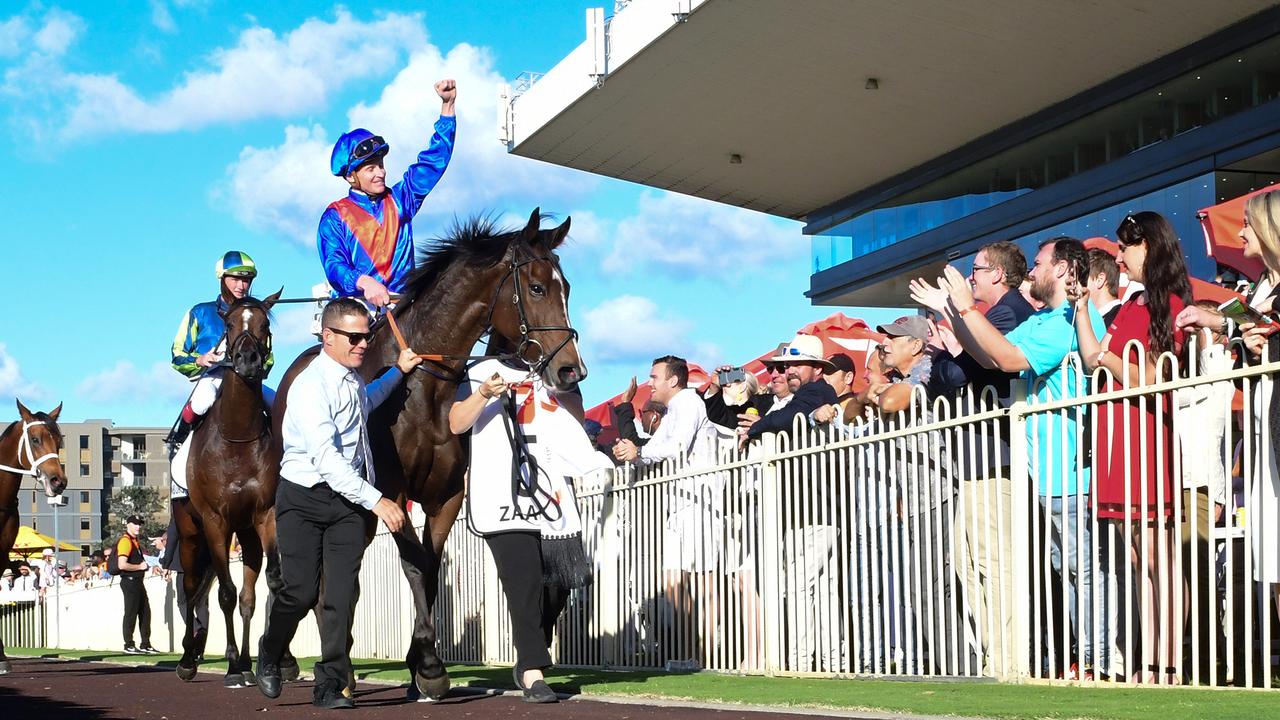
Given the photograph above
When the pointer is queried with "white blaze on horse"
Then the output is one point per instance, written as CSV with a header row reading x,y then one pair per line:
x,y
29,447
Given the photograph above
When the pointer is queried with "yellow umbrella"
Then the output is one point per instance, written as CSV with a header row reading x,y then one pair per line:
x,y
29,542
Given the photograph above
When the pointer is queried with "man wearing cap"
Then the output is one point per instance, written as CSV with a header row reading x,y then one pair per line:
x,y
841,380
1036,349
197,350
906,362
366,239
132,569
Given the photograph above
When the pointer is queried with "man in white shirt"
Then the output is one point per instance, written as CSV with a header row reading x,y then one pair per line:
x,y
325,495
686,417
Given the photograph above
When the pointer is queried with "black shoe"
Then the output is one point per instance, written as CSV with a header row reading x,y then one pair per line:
x,y
130,649
146,649
268,675
539,692
329,695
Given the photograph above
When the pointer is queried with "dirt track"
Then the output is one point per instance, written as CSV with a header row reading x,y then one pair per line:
x,y
56,689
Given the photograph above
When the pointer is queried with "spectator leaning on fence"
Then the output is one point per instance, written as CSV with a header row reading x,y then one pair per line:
x,y
1261,236
840,379
1134,459
805,368
1104,285
1036,349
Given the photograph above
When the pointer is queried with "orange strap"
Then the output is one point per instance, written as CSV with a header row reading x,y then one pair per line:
x,y
395,330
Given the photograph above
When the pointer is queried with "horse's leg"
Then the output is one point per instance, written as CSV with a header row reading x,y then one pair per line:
x,y
196,568
420,561
289,670
251,555
218,537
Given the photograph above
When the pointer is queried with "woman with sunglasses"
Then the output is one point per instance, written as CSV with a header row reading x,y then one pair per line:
x,y
1134,459
366,238
1261,236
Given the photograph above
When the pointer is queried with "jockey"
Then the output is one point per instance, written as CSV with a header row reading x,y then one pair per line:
x,y
197,350
366,239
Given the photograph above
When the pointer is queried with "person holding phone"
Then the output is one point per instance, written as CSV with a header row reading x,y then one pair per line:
x,y
1261,236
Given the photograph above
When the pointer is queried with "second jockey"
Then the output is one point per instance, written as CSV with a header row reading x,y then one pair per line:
x,y
197,350
366,239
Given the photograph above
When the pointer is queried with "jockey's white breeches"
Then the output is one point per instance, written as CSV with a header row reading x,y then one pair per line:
x,y
202,397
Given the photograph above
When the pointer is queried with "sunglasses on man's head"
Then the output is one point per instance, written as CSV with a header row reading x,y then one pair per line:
x,y
366,147
355,337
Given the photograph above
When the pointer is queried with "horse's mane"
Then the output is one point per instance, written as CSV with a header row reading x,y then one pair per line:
x,y
478,240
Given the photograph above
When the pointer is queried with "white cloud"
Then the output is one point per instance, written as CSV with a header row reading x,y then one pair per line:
x,y
286,187
12,381
688,236
125,382
292,326
632,329
12,33
161,17
263,75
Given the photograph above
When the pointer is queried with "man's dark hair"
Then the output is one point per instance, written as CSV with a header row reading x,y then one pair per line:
x,y
1102,263
1073,252
675,366
340,308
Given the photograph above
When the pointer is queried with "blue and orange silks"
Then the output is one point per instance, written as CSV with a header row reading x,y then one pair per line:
x,y
360,237
201,330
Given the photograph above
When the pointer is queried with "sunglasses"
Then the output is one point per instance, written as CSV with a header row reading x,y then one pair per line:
x,y
365,149
355,337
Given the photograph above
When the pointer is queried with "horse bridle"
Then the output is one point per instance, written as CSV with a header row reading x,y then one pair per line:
x,y
526,330
263,348
24,443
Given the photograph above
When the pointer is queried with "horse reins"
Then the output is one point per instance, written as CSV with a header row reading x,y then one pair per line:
x,y
526,330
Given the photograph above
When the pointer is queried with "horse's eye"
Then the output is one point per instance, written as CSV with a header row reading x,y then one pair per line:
x,y
537,289
35,441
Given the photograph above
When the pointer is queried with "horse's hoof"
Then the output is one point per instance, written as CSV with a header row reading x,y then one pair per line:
x,y
185,673
231,680
290,673
249,679
5,667
435,688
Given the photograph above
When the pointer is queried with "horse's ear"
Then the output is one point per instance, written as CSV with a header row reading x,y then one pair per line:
x,y
23,412
559,234
530,232
53,414
271,299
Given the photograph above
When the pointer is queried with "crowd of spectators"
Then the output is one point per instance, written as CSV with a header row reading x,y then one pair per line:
x,y
1071,319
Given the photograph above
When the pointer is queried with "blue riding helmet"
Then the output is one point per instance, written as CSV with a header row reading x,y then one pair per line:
x,y
354,149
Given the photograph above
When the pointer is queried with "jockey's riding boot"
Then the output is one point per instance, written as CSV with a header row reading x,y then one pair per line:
x,y
179,432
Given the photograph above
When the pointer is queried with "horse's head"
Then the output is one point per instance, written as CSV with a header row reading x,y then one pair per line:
x,y
531,310
39,448
249,336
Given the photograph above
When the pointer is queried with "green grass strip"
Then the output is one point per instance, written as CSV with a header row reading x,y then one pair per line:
x,y
973,699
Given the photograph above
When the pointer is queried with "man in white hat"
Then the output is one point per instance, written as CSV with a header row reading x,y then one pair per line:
x,y
805,365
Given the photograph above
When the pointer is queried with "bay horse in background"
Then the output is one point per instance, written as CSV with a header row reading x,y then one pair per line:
x,y
477,280
232,471
29,446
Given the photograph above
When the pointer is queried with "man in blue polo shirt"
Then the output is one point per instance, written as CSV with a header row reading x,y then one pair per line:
x,y
366,238
1037,348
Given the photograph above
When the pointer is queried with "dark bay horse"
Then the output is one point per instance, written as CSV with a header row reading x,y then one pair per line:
x,y
232,473
29,446
477,280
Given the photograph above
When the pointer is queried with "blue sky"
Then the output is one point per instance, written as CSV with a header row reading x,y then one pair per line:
x,y
146,138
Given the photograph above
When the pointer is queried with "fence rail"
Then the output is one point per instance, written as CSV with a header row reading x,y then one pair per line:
x,y
22,624
1127,533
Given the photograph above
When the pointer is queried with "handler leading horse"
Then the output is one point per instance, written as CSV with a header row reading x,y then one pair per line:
x,y
479,279
232,472
28,446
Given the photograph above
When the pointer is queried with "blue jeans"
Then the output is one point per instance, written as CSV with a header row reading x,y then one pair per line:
x,y
1079,589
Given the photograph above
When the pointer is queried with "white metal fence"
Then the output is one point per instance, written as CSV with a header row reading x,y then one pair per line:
x,y
931,543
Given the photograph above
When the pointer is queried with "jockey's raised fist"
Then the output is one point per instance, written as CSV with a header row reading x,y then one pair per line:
x,y
447,90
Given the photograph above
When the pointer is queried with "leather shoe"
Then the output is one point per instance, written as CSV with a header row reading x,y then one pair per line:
x,y
329,695
268,675
539,692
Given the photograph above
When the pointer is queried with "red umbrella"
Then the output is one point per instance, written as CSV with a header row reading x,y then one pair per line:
x,y
1221,224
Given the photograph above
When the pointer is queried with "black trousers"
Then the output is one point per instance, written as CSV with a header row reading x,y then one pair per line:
x,y
319,533
137,609
202,610
534,607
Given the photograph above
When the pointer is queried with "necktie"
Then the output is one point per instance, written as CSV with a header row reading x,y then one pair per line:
x,y
363,442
